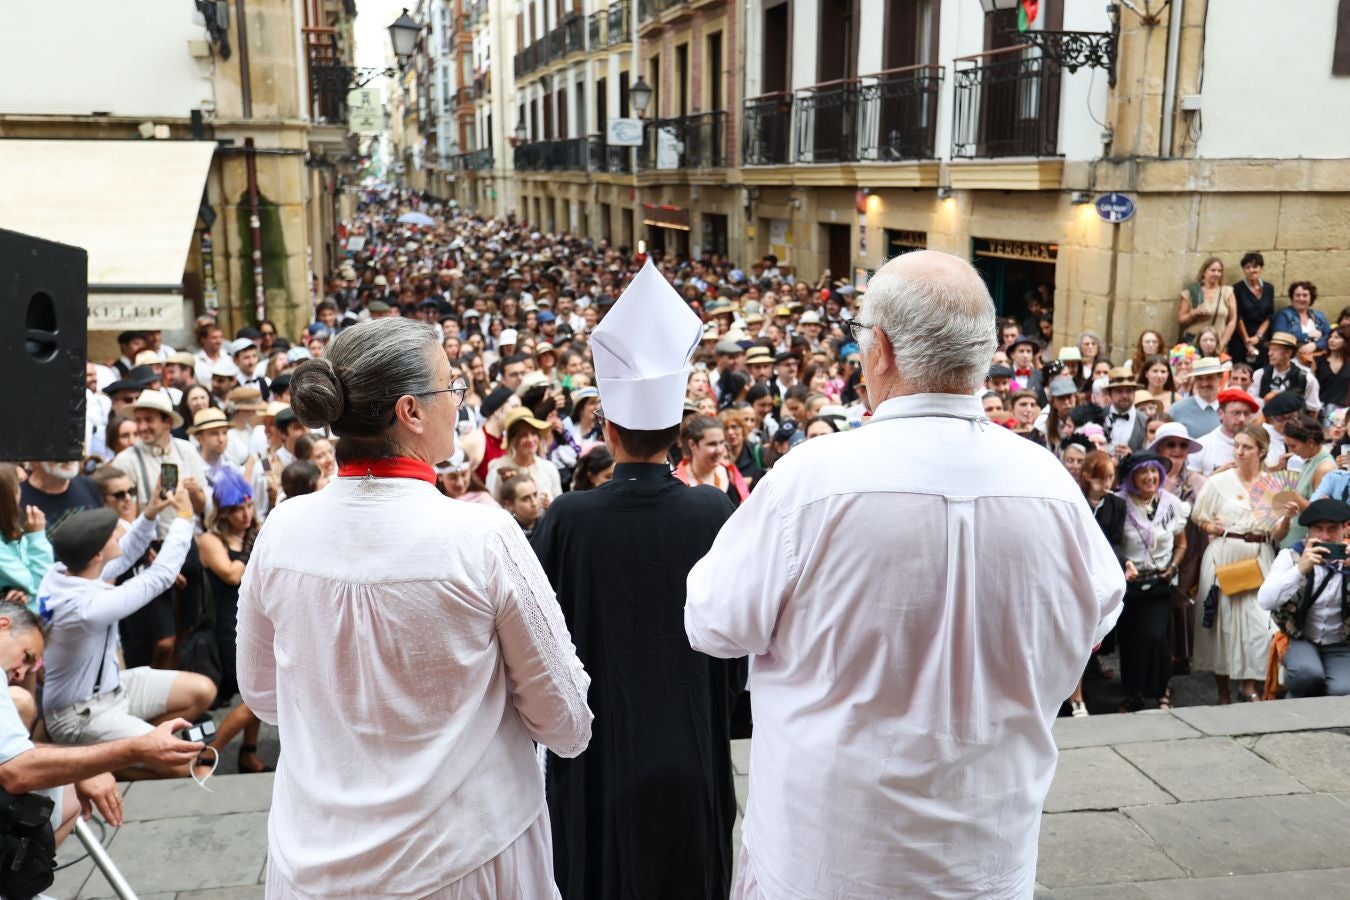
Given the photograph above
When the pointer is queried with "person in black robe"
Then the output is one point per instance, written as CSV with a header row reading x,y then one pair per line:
x,y
648,810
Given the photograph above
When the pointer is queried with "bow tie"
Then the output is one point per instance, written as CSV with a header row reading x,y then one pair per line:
x,y
1023,373
1115,417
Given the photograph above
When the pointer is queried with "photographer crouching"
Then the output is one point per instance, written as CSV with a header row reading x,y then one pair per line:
x,y
70,780
1309,599
86,698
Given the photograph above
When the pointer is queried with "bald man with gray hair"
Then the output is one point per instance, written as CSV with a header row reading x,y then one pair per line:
x,y
903,690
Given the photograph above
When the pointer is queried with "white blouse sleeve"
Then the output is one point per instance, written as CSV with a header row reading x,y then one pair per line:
x,y
255,655
548,682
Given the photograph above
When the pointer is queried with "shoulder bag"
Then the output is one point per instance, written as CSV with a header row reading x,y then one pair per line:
x,y
1239,577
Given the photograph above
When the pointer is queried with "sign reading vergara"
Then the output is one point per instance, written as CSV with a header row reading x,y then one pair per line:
x,y
1016,250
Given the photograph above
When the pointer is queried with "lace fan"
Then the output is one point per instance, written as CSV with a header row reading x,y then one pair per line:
x,y
1265,497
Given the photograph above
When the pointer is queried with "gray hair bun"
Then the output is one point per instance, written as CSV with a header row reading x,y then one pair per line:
x,y
317,396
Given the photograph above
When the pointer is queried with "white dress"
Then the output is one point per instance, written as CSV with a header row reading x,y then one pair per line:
x,y
410,675
1239,642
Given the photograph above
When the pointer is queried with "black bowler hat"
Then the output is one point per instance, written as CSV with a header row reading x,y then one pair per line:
x,y
1325,510
80,537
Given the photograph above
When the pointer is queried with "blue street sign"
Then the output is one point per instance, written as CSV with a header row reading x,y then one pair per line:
x,y
1115,207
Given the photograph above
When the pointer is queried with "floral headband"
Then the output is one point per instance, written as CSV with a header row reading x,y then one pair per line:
x,y
1180,352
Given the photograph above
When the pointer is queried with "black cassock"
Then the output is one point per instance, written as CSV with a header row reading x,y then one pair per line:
x,y
647,810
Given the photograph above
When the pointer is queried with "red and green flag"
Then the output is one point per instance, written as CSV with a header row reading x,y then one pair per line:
x,y
1026,13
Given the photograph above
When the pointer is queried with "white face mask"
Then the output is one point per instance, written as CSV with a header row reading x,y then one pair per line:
x,y
66,471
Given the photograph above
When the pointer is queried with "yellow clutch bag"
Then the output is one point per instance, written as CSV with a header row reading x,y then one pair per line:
x,y
1239,577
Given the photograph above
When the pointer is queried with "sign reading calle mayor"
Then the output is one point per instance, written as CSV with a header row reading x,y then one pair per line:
x,y
1114,208
365,111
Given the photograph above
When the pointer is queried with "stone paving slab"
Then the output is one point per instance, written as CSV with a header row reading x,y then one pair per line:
x,y
1323,883
1079,848
184,854
1309,714
1319,759
740,757
1099,778
1120,728
1094,892
1250,835
1208,769
248,892
183,797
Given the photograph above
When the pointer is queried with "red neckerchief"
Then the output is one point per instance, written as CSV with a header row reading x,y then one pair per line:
x,y
395,467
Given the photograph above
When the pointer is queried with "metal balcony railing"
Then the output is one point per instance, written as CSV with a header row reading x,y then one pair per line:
x,y
685,142
767,130
574,34
897,114
646,11
473,161
827,122
569,155
619,28
557,44
595,29
1005,103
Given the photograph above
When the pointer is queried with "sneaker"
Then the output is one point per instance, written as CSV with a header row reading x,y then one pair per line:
x,y
1079,709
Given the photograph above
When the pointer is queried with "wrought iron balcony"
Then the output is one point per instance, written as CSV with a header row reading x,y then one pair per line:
x,y
827,122
1005,103
574,34
595,29
897,114
685,142
767,126
619,28
571,155
557,44
473,161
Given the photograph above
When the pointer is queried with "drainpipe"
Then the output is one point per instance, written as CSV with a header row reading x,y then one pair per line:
x,y
255,230
245,80
1169,104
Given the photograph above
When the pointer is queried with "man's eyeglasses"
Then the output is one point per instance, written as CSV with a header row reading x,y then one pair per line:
x,y
119,496
857,328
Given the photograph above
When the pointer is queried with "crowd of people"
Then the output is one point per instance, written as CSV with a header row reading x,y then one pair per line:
x,y
1215,466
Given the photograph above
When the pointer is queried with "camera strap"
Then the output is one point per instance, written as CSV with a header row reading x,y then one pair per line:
x,y
103,660
215,761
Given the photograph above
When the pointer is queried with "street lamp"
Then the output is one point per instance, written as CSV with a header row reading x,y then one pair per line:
x,y
641,95
520,133
403,35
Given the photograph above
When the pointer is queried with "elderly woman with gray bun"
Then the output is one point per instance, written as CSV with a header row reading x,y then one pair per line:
x,y
413,673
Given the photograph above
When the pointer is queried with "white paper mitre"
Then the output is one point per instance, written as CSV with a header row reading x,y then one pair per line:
x,y
641,351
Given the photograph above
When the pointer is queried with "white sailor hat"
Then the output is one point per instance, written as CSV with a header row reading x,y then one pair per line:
x,y
642,350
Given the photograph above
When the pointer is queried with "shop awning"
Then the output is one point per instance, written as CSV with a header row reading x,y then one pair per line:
x,y
131,204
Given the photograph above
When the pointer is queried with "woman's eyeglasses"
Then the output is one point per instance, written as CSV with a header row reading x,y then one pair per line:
x,y
457,389
1173,445
119,496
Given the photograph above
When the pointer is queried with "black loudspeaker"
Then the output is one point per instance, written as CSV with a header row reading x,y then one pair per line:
x,y
44,310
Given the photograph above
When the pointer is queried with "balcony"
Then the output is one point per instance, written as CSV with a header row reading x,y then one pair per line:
x,y
571,155
473,161
574,34
329,81
557,44
685,142
595,29
897,114
619,27
767,123
827,122
1005,103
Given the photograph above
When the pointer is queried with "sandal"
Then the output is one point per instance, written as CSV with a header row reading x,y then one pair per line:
x,y
1165,701
1080,710
252,750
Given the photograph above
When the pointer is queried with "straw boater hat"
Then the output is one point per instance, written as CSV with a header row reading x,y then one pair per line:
x,y
1282,339
245,397
159,402
1069,354
758,354
1206,365
1120,377
208,418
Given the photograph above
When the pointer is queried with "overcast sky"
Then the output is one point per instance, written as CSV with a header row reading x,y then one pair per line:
x,y
373,18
